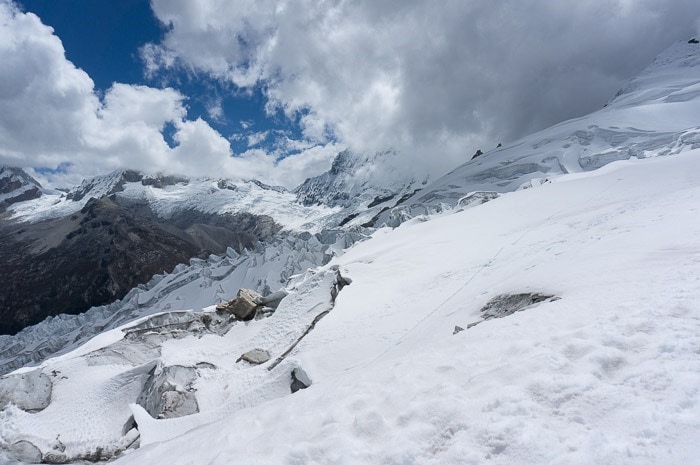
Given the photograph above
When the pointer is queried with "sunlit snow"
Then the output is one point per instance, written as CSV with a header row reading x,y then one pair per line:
x,y
402,367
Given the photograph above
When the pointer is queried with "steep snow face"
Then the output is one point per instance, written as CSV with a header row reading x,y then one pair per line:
x,y
611,369
17,186
168,195
654,115
102,186
667,79
362,184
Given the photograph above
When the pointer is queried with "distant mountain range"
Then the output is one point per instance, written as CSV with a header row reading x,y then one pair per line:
x,y
64,252
538,304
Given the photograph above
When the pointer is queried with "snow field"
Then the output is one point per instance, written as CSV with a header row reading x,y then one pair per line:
x,y
608,374
95,387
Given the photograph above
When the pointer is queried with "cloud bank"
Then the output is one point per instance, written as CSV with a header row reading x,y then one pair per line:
x,y
433,80
51,116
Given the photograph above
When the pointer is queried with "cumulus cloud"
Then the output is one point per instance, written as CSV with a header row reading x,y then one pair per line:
x,y
51,116
44,99
434,81
288,171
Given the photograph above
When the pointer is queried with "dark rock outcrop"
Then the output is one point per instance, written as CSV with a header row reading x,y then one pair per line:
x,y
91,258
507,304
16,186
243,306
300,380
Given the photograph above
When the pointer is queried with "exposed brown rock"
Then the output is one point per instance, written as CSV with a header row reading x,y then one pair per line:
x,y
244,305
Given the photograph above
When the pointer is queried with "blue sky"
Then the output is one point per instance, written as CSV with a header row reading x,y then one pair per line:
x,y
274,89
104,37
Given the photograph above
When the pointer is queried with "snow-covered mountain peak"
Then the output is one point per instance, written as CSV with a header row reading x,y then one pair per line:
x,y
167,195
103,185
656,114
8,172
357,178
672,77
361,185
17,186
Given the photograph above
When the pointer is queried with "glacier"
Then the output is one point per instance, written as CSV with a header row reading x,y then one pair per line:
x,y
606,372
655,114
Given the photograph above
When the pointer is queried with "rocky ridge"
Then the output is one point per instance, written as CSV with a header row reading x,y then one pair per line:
x,y
17,186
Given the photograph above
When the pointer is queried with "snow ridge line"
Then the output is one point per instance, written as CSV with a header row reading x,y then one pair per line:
x,y
339,284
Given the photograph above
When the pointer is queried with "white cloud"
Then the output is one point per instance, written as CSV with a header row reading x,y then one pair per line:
x,y
290,171
44,99
215,109
50,115
256,138
433,80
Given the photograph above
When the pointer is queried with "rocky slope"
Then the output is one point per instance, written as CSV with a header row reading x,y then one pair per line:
x,y
97,254
16,186
114,232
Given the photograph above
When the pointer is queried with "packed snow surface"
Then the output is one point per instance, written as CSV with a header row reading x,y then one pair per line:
x,y
609,373
401,366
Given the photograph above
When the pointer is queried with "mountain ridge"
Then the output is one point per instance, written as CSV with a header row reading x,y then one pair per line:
x,y
668,89
409,346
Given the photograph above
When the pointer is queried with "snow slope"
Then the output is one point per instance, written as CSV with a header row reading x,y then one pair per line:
x,y
16,186
655,114
610,373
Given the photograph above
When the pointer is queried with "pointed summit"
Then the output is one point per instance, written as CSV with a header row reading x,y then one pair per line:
x,y
356,179
17,186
